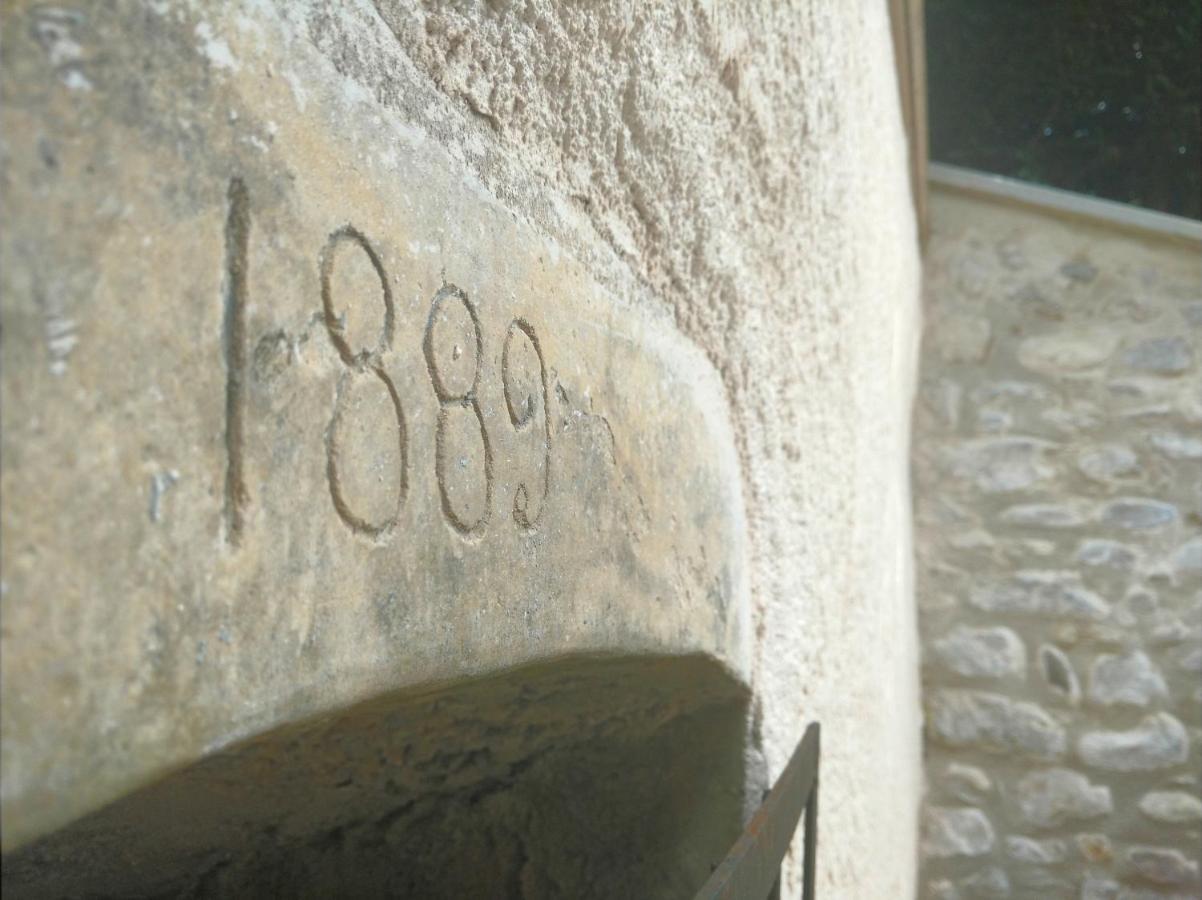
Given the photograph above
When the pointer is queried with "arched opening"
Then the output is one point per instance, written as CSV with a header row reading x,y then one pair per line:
x,y
583,777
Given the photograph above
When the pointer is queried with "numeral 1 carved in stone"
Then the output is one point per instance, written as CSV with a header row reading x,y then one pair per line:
x,y
233,334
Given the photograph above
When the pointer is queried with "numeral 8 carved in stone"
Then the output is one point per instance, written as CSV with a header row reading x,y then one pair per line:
x,y
454,352
358,460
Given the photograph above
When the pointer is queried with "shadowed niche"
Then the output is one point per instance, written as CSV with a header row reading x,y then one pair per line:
x,y
583,777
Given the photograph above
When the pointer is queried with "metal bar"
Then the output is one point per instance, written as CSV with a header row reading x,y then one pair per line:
x,y
810,862
752,867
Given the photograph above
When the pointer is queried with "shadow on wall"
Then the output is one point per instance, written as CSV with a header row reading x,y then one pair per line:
x,y
585,777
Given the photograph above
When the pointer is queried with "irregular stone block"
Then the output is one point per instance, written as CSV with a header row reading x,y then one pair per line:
x,y
1051,797
1163,865
1067,352
1035,852
991,883
982,652
1129,679
1158,742
1010,390
967,783
1187,560
1044,515
1097,886
1108,462
942,889
1139,513
955,831
1044,593
1175,445
997,465
961,337
942,398
1107,553
1191,659
973,539
1140,604
1173,807
994,421
1161,356
1073,417
994,722
1095,848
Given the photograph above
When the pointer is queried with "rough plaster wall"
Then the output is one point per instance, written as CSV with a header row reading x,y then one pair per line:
x,y
1057,484
744,166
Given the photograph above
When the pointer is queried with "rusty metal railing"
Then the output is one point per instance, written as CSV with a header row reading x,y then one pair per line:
x,y
751,871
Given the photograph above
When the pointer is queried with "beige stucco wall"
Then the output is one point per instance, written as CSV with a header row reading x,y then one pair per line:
x,y
1057,452
731,177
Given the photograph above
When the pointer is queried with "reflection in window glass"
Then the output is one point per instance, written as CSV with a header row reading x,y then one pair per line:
x,y
1099,98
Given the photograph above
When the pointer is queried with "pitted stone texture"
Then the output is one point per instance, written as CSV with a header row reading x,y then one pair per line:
x,y
415,441
1157,742
1056,796
595,129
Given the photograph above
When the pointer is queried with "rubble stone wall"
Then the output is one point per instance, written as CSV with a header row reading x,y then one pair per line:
x,y
1058,468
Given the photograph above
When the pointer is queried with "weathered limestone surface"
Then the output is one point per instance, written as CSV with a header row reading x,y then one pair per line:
x,y
1057,504
356,354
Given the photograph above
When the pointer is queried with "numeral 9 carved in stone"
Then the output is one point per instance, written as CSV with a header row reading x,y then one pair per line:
x,y
524,374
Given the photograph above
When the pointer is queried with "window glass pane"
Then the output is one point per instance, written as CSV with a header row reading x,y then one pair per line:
x,y
1095,96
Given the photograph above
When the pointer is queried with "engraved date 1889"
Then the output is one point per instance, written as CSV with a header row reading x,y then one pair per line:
x,y
453,349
